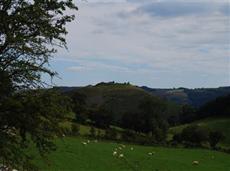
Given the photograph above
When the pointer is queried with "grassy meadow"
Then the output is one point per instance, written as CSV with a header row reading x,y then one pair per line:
x,y
72,155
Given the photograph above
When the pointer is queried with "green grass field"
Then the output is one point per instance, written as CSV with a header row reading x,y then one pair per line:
x,y
72,155
215,123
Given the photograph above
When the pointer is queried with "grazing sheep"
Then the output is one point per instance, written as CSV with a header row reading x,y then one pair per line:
x,y
120,148
5,168
121,155
150,153
84,143
195,162
114,153
131,148
88,141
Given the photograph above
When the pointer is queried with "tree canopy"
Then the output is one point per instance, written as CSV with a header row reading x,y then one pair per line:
x,y
30,32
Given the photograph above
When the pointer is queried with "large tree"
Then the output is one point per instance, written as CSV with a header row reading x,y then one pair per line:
x,y
30,31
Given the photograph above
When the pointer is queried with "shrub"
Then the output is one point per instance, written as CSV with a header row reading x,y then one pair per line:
x,y
194,135
214,138
128,135
111,134
75,129
177,138
92,132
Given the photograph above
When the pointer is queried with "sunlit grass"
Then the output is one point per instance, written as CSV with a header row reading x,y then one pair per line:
x,y
72,154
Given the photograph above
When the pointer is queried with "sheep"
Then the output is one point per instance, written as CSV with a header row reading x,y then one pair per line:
x,y
123,145
121,155
131,148
84,143
195,162
5,168
114,153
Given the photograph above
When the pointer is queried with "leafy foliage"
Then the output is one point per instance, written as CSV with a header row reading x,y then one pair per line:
x,y
101,117
150,119
30,116
29,30
193,135
29,33
215,137
218,107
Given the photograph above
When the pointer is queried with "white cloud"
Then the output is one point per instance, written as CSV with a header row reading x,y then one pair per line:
x,y
114,30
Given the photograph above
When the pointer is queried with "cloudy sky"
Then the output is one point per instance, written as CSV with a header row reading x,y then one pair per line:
x,y
157,43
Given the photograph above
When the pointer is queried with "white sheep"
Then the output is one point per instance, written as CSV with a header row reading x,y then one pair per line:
x,y
121,155
195,162
123,145
84,143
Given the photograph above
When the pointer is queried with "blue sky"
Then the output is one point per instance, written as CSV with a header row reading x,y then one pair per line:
x,y
157,43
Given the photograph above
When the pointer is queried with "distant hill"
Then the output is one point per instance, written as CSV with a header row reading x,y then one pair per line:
x,y
195,97
118,98
102,91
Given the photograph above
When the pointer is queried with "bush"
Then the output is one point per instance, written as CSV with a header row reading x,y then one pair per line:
x,y
75,129
194,135
92,132
128,135
177,138
111,134
214,138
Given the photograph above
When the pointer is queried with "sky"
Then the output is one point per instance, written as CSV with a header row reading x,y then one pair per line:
x,y
155,43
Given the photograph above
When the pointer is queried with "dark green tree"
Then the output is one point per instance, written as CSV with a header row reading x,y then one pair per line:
x,y
110,134
75,128
188,114
30,117
79,107
92,132
194,135
101,117
215,137
149,119
29,33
